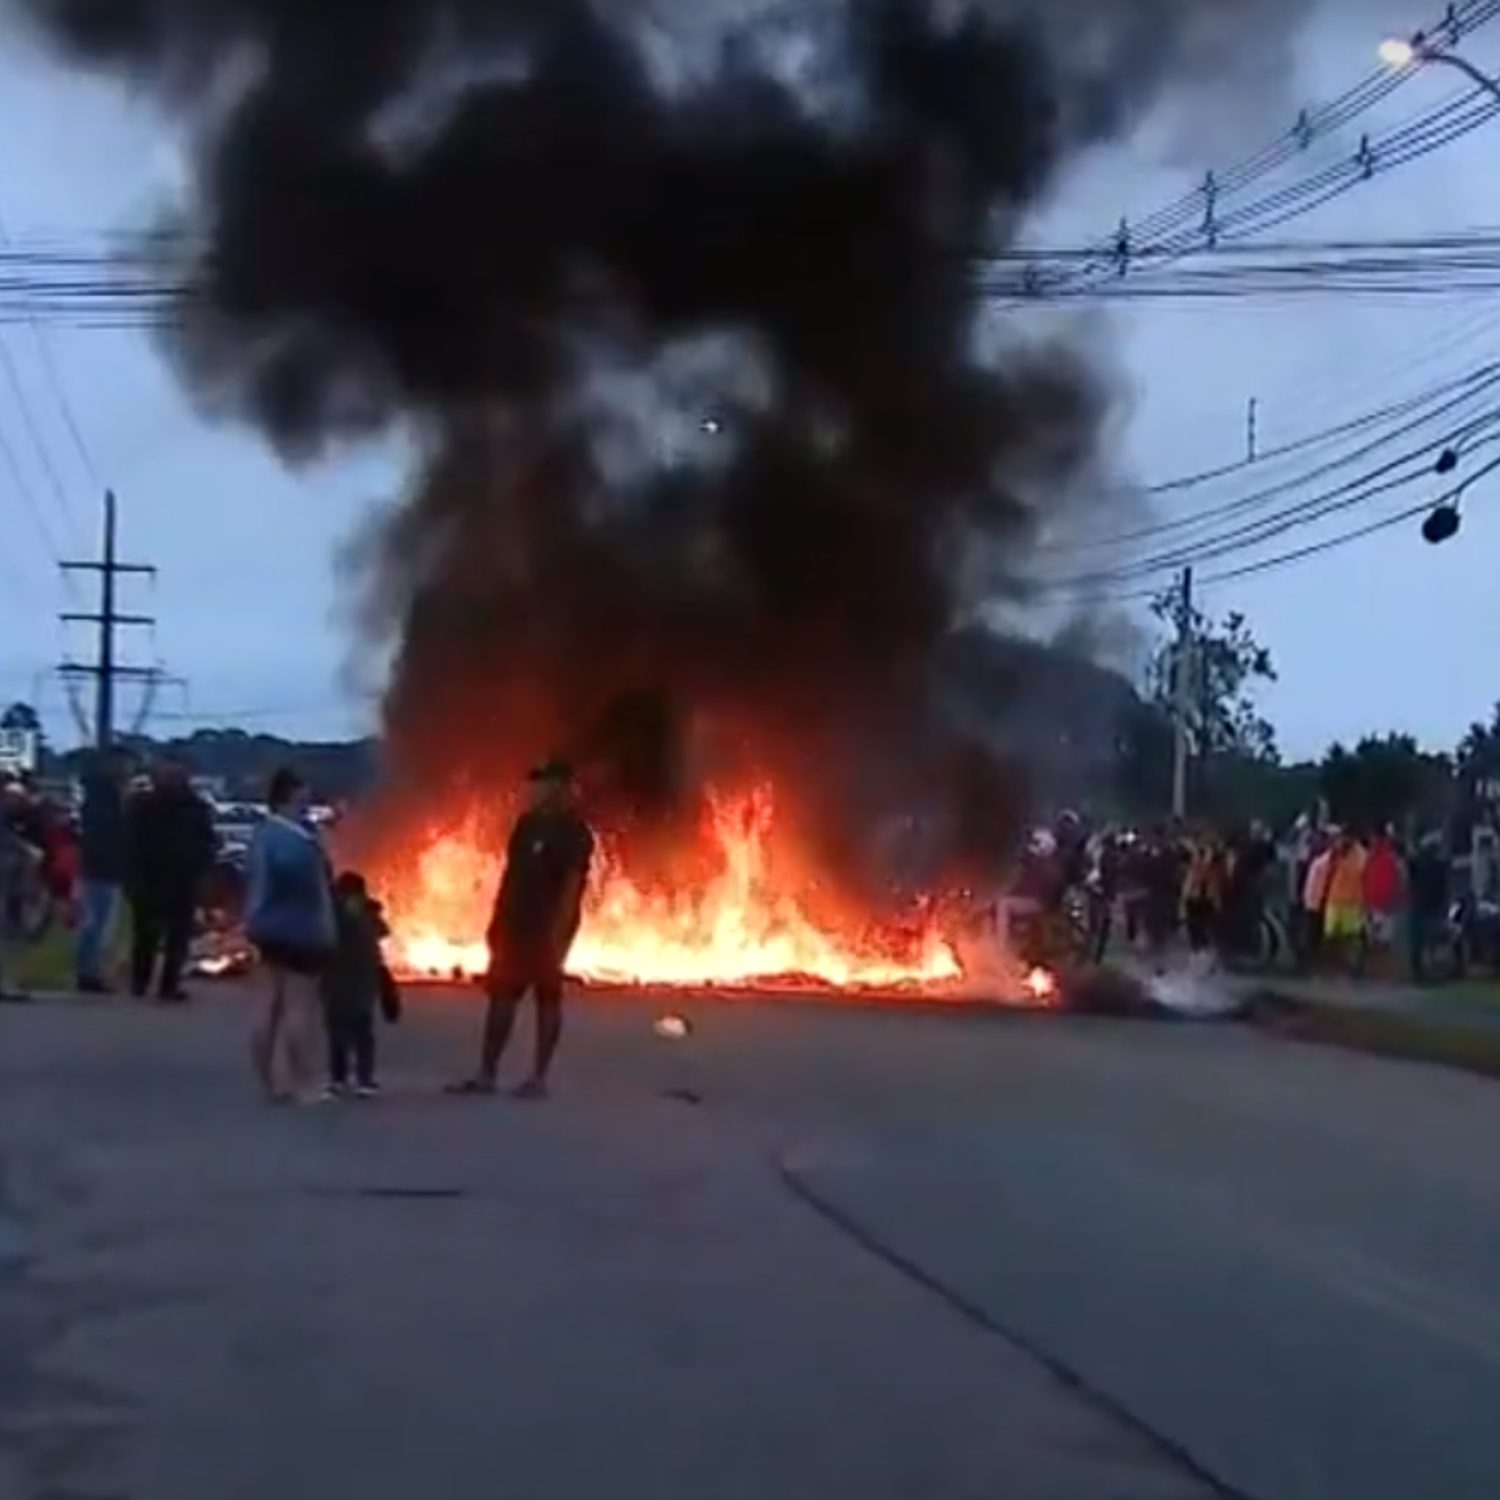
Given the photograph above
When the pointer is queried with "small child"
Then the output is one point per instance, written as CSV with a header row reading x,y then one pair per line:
x,y
355,985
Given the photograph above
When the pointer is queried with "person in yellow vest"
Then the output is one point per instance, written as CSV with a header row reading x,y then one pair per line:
x,y
1344,909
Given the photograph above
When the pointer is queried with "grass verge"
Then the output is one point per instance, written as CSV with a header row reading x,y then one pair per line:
x,y
1380,1033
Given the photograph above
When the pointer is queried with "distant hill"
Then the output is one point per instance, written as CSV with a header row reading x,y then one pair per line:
x,y
1079,732
242,763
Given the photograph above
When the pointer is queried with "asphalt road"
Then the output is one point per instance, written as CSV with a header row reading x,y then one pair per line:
x,y
889,1255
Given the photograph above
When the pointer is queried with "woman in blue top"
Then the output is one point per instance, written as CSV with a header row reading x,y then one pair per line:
x,y
290,919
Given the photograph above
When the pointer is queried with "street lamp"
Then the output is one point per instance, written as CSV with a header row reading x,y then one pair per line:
x,y
1445,519
1399,53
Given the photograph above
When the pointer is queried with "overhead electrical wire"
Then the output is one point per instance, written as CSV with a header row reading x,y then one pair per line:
x,y
1297,555
1479,384
1211,215
1105,584
24,411
33,290
1250,535
1211,219
35,512
1480,376
53,378
1314,396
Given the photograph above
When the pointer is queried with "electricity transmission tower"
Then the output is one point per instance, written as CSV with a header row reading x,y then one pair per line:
x,y
105,672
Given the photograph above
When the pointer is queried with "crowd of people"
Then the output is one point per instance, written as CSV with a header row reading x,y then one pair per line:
x,y
1326,898
1355,896
145,842
1336,899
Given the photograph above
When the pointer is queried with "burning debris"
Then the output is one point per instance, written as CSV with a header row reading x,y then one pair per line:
x,y
740,925
680,303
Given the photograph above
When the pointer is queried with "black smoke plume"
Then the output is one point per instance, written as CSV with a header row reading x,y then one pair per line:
x,y
679,303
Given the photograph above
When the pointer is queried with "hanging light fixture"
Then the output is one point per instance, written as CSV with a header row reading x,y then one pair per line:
x,y
1442,524
1444,520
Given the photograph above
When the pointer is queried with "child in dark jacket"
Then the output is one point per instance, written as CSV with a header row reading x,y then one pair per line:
x,y
355,985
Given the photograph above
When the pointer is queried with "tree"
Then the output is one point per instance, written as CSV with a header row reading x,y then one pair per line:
x,y
23,717
1479,772
1479,750
1228,666
1385,779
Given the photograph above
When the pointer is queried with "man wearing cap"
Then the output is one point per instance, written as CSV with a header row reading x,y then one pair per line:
x,y
537,912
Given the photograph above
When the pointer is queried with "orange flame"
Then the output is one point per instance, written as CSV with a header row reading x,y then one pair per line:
x,y
741,925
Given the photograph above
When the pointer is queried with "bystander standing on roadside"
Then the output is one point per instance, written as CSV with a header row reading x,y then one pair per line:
x,y
536,917
1203,892
170,846
102,866
290,917
1384,888
1427,911
1314,898
1161,873
355,988
20,861
1344,910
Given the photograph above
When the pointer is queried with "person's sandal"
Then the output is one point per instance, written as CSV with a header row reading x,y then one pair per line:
x,y
470,1088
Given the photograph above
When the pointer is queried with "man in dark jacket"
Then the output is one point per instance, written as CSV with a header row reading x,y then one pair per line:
x,y
536,917
102,853
170,845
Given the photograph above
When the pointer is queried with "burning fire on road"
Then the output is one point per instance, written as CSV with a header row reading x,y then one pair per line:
x,y
751,915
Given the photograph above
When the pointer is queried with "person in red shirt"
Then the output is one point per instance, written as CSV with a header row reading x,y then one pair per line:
x,y
1385,883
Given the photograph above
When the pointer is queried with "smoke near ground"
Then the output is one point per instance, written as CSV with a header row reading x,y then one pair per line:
x,y
677,300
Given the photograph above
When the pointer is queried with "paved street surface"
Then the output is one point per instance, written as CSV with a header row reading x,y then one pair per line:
x,y
889,1255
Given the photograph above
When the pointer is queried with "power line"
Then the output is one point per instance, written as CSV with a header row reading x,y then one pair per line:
x,y
1255,534
1207,219
1199,219
28,500
1369,486
1268,456
1437,343
1478,383
1302,554
241,715
54,381
39,447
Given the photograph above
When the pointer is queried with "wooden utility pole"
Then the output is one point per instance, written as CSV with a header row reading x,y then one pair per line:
x,y
1183,697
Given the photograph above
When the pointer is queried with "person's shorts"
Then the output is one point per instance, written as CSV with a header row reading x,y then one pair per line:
x,y
1343,923
516,969
1382,928
294,958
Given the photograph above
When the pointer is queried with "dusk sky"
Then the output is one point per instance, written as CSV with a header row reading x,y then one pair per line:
x,y
1386,633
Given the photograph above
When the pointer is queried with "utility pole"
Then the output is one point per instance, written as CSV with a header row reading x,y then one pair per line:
x,y
1183,696
106,672
1252,431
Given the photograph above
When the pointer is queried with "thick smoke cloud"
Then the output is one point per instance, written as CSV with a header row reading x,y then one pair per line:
x,y
678,300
